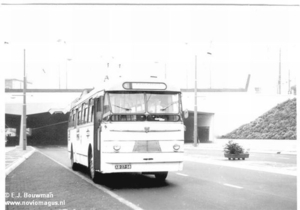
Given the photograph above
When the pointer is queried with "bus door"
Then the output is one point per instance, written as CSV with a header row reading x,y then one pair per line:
x,y
98,107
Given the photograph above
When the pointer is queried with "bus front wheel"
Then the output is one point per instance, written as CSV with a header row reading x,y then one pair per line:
x,y
73,164
92,172
161,176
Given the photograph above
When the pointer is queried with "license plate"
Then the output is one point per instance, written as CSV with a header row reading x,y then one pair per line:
x,y
123,166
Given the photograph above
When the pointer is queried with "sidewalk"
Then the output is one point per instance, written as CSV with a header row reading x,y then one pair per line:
x,y
40,183
14,156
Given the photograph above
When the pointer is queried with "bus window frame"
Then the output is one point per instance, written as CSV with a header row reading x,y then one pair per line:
x,y
145,92
98,110
84,112
79,114
70,121
91,110
106,115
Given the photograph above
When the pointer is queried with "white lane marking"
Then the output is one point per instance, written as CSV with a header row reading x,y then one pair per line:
x,y
234,186
246,165
181,174
120,199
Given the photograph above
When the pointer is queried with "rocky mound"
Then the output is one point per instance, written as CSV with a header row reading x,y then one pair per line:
x,y
277,123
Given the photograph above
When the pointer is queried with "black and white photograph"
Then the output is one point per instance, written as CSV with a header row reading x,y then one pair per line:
x,y
149,104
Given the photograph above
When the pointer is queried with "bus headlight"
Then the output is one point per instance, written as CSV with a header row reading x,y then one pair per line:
x,y
176,147
117,148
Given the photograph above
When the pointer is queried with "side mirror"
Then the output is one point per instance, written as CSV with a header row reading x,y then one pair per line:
x,y
186,113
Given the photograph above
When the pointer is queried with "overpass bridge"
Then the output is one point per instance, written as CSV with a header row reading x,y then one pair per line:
x,y
47,114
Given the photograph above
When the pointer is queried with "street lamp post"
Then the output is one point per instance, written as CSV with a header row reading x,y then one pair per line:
x,y
64,43
209,53
195,110
24,108
165,71
68,59
23,135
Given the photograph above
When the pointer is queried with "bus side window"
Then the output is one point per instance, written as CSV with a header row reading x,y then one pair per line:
x,y
84,113
79,116
70,119
83,116
99,108
91,110
74,117
106,108
92,113
99,104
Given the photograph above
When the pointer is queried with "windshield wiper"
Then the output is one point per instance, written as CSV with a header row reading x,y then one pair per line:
x,y
163,109
127,109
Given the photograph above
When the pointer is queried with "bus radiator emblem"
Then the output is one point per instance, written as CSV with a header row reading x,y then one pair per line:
x,y
147,129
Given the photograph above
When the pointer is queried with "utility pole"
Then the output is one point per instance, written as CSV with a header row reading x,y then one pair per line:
x,y
279,78
165,71
195,110
289,90
59,76
24,108
209,53
69,59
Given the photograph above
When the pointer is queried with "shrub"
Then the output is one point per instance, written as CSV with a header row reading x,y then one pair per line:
x,y
278,123
233,148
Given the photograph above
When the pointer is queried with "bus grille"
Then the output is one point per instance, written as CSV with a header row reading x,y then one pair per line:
x,y
146,146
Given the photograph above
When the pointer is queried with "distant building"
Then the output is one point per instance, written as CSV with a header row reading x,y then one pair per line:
x,y
15,84
294,90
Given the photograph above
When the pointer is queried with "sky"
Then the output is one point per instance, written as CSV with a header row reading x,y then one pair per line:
x,y
77,46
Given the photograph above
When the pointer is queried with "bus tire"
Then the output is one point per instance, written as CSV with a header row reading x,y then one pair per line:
x,y
73,164
93,174
161,176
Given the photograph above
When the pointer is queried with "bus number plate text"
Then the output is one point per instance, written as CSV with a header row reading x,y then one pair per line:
x,y
123,166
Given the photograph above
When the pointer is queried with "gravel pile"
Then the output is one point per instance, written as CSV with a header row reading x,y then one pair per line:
x,y
277,123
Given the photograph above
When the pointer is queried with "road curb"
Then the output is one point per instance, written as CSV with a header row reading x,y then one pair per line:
x,y
218,148
19,161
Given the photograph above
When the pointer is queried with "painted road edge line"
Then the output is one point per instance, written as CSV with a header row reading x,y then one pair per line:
x,y
181,174
105,190
234,186
19,161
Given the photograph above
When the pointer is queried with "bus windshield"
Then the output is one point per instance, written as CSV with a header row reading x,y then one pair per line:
x,y
149,102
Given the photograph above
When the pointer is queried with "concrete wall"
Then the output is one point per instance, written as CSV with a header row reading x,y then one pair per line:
x,y
204,120
287,146
232,110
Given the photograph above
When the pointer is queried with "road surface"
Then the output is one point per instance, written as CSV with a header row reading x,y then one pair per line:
x,y
201,185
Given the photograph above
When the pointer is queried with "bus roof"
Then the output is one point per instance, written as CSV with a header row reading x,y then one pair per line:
x,y
124,84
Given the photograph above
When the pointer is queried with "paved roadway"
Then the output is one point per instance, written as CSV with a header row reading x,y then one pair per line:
x,y
259,157
201,185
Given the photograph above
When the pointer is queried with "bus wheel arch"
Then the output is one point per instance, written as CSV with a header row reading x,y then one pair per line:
x,y
92,172
74,165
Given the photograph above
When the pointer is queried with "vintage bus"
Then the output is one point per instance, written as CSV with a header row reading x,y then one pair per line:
x,y
128,126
